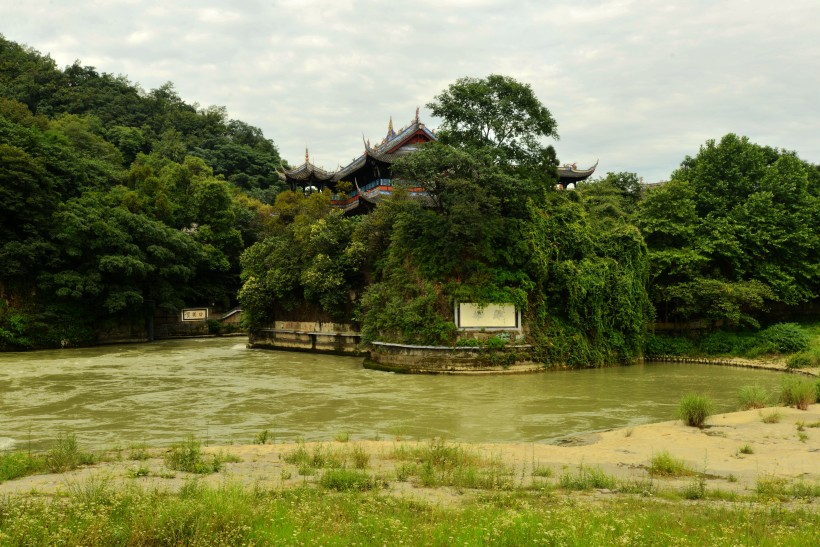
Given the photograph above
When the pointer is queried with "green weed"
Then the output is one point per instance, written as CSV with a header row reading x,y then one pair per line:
x,y
695,490
138,452
544,471
753,396
665,465
263,436
346,480
797,392
14,465
187,456
587,478
694,410
66,455
230,514
361,458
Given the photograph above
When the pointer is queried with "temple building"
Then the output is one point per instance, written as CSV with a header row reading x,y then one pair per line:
x,y
358,186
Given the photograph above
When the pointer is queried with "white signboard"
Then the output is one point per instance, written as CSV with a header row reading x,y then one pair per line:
x,y
195,314
494,316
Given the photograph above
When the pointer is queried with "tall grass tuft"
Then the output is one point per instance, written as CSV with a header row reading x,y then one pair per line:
x,y
753,396
361,458
694,410
587,478
664,464
437,463
797,392
347,480
66,455
187,456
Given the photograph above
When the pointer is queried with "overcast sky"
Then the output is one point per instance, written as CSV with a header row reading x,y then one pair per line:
x,y
637,84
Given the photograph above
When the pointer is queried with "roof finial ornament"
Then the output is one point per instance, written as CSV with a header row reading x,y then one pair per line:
x,y
390,132
307,155
416,120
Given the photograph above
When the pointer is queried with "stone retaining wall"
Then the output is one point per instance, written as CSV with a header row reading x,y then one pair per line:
x,y
450,360
774,364
340,343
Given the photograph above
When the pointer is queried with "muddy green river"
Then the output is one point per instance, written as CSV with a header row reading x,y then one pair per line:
x,y
220,391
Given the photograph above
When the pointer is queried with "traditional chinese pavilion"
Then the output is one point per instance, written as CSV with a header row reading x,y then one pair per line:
x,y
358,186
570,175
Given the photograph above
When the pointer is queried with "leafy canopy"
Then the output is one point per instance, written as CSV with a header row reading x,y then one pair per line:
x,y
498,115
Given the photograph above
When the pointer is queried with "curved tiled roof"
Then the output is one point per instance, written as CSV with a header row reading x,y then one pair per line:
x,y
387,151
307,171
569,173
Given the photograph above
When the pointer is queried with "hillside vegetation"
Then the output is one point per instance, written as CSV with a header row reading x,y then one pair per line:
x,y
116,201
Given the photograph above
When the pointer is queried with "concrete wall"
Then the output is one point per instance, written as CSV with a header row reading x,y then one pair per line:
x,y
336,342
447,360
314,326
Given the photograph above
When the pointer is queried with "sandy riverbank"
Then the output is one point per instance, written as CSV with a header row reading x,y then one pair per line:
x,y
779,450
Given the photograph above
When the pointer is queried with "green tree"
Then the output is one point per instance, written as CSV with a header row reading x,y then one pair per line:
x,y
27,200
499,115
732,232
308,259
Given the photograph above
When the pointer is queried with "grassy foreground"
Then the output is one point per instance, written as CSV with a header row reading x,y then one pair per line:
x,y
432,493
757,484
94,514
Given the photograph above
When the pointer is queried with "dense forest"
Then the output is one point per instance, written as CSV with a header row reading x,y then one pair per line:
x,y
117,201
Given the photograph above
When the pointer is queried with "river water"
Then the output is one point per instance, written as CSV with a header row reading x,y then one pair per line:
x,y
220,391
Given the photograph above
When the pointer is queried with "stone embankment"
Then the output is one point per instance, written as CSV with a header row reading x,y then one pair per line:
x,y
411,359
778,364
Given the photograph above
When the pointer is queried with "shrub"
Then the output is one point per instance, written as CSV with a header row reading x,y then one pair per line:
x,y
187,456
664,464
797,392
262,437
539,470
786,337
695,490
752,397
66,455
719,343
19,464
587,478
772,417
496,342
799,360
762,347
346,480
361,459
808,358
668,345
694,409
214,326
